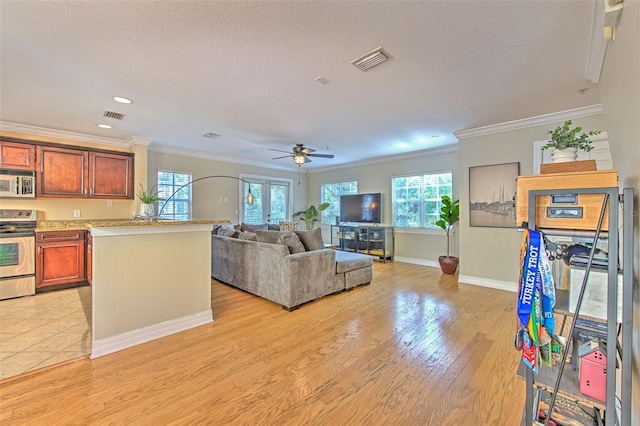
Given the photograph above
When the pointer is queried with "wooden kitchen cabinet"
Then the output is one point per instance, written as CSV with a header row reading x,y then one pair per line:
x,y
62,172
111,175
60,258
74,173
17,156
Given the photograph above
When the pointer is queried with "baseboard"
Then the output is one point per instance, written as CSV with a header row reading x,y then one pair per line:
x,y
415,261
136,337
486,282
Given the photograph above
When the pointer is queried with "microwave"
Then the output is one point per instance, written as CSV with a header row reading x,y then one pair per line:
x,y
17,184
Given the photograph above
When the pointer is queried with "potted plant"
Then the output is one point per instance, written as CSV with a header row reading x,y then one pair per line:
x,y
565,142
450,214
310,215
148,198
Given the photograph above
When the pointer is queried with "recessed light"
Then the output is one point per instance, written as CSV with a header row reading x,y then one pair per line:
x,y
122,100
104,126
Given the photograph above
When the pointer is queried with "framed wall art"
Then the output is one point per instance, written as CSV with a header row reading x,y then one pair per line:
x,y
491,192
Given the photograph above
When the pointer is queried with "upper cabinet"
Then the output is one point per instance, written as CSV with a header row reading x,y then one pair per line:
x,y
17,156
77,173
62,172
110,175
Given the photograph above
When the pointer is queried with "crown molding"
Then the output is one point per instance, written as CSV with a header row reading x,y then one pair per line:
x,y
137,140
61,134
597,44
387,158
524,123
215,157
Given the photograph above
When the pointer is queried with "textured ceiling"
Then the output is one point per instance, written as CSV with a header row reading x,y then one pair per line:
x,y
246,71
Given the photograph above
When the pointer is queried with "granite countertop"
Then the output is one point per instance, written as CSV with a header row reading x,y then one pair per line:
x,y
87,224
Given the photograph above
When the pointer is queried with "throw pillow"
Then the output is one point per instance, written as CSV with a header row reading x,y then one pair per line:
x,y
312,240
217,228
289,226
291,240
273,227
245,227
249,236
267,236
231,233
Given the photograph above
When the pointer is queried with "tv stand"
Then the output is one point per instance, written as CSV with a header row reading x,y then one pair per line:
x,y
373,240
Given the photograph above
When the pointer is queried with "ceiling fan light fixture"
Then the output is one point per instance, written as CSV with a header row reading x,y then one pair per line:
x,y
299,159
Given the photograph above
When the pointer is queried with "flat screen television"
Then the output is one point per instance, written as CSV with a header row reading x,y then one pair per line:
x,y
360,208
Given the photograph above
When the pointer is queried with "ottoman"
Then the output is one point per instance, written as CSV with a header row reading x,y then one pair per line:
x,y
353,269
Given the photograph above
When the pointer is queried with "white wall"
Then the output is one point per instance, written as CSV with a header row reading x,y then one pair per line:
x,y
493,253
620,92
415,246
207,193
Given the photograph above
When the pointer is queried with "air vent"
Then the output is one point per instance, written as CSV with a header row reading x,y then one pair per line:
x,y
211,135
371,59
114,115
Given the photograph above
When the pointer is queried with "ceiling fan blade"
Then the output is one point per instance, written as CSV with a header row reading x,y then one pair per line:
x,y
284,156
307,150
307,160
279,150
321,155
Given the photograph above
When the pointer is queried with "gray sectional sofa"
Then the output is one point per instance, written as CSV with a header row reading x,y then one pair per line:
x,y
270,270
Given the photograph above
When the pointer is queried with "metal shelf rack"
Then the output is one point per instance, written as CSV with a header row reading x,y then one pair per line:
x,y
612,198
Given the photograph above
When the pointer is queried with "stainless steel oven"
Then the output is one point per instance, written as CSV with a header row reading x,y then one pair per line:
x,y
17,253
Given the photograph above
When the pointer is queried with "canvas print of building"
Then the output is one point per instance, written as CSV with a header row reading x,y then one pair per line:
x,y
491,192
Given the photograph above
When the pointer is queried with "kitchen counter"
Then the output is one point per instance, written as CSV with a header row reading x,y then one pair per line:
x,y
88,224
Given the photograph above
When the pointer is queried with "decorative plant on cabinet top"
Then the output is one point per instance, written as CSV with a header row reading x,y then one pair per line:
x,y
565,142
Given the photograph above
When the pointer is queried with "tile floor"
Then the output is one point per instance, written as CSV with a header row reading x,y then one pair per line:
x,y
45,329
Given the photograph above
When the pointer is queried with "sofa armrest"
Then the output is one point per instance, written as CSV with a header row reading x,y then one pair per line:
x,y
311,275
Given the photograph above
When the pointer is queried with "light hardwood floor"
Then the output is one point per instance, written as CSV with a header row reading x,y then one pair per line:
x,y
412,348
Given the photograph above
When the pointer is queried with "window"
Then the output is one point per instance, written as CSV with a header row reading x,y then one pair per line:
x,y
415,200
179,206
271,200
330,193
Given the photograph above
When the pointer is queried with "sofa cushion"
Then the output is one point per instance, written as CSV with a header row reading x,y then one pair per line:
x,y
246,227
267,236
232,233
287,238
311,240
346,261
249,236
291,240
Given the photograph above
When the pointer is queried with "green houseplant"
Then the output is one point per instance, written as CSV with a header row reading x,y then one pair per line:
x,y
147,198
565,142
310,215
449,215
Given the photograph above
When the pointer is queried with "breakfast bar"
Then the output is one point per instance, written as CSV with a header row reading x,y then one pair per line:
x,y
150,279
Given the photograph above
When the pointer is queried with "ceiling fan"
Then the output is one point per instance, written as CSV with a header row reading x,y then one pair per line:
x,y
301,154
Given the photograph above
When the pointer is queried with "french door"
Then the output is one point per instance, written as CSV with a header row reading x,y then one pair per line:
x,y
272,200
